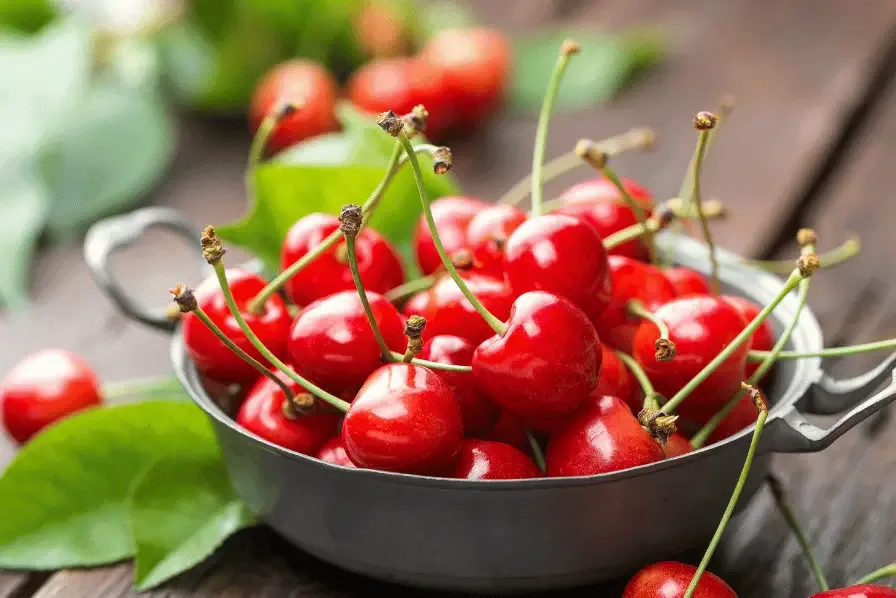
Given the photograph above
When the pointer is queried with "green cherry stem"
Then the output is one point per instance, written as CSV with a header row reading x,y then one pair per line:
x,y
651,398
704,123
738,488
828,259
665,348
631,232
410,288
885,571
568,48
537,454
670,210
640,214
774,485
890,343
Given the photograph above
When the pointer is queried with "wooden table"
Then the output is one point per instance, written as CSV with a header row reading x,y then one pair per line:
x,y
811,143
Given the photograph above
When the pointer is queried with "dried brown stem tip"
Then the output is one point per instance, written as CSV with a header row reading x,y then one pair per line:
x,y
390,123
665,349
442,160
591,153
212,249
755,396
660,425
806,236
663,214
647,138
569,47
284,110
351,217
413,329
704,121
415,120
183,296
808,264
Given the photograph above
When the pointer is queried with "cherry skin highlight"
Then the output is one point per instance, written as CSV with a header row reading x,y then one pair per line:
x,y
333,342
764,337
43,388
608,217
687,282
601,436
859,591
677,445
603,189
452,216
487,460
616,379
333,451
487,235
447,311
211,357
378,262
547,361
670,579
404,419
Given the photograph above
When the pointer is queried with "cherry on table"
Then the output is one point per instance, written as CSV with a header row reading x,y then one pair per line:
x,y
670,579
333,451
447,311
487,235
489,460
452,216
608,217
687,282
764,337
602,189
858,591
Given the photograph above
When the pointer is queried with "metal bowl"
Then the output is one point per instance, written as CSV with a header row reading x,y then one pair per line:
x,y
502,536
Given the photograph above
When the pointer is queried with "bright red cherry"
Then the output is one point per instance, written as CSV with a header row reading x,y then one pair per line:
x,y
563,256
701,327
670,579
452,215
405,418
859,591
378,262
631,279
616,379
608,217
449,312
304,83
265,413
509,429
546,362
677,445
687,282
601,436
43,388
333,451
764,337
333,342
417,304
488,460
603,189
742,416
487,235
478,412
210,355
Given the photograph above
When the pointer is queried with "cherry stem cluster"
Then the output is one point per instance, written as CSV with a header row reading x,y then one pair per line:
x,y
669,211
850,248
705,122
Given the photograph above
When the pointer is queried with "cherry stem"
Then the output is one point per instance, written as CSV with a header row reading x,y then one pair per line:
x,y
890,343
651,399
640,214
786,510
738,488
723,111
665,348
568,48
670,210
631,232
537,454
410,288
885,571
828,259
702,141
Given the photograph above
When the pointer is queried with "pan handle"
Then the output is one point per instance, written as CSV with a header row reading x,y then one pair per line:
x,y
111,234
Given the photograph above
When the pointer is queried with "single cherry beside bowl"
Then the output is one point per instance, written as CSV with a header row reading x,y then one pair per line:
x,y
489,460
670,579
452,216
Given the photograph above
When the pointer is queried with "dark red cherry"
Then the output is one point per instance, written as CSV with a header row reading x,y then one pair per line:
x,y
544,425
509,429
560,255
487,235
631,279
405,419
488,460
764,337
452,215
687,282
210,355
670,579
478,412
448,311
608,217
616,379
742,416
333,451
859,591
701,327
262,413
546,362
603,189
378,261
601,436
677,444
332,340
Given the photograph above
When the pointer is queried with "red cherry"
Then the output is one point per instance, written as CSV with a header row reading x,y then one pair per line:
x,y
608,217
478,412
487,235
333,342
764,337
487,460
701,327
43,388
333,451
509,429
304,83
742,416
544,425
859,591
631,279
677,445
210,355
603,189
561,255
262,413
405,419
449,312
378,262
601,436
417,304
452,215
546,362
616,379
670,579
687,282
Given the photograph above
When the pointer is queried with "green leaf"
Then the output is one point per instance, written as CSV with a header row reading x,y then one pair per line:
x,y
64,497
182,509
26,15
23,208
605,64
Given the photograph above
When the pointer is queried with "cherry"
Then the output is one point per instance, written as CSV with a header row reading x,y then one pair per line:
x,y
743,415
487,235
631,279
670,579
509,429
417,304
677,444
447,311
858,591
266,413
211,356
304,83
333,451
378,261
478,412
608,217
701,327
603,189
547,360
616,379
601,436
561,255
333,342
43,388
764,337
687,282
488,460
452,215
405,418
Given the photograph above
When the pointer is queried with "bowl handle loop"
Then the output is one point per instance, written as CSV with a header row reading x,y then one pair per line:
x,y
111,234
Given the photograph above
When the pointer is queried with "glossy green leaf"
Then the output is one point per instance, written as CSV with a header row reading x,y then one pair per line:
x,y
26,15
181,510
64,497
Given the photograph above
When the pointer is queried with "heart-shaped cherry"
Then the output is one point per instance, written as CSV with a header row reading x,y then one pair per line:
x,y
487,235
478,412
677,444
608,217
858,591
764,337
452,216
211,356
547,360
333,451
405,419
329,273
509,429
602,189
488,460
616,379
333,342
670,579
687,282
